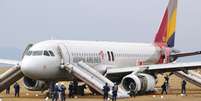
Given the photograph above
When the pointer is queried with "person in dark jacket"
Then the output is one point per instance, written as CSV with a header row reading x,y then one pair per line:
x,y
75,86
183,87
70,89
164,87
17,89
106,90
167,80
62,92
114,92
55,93
7,88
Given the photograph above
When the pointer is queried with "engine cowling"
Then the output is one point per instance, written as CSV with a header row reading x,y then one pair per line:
x,y
131,78
34,85
142,82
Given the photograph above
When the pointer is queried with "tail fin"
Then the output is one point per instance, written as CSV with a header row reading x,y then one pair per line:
x,y
166,32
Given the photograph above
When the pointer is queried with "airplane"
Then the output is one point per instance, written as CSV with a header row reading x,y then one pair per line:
x,y
98,62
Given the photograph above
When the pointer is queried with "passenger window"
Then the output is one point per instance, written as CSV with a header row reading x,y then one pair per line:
x,y
51,53
46,53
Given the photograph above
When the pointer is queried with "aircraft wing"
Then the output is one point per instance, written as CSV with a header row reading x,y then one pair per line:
x,y
156,68
171,67
9,62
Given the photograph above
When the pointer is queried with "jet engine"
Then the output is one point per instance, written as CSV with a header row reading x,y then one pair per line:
x,y
34,85
142,82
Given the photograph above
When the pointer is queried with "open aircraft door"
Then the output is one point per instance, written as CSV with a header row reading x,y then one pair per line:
x,y
64,54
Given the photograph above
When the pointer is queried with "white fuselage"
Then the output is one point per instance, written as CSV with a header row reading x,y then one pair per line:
x,y
98,54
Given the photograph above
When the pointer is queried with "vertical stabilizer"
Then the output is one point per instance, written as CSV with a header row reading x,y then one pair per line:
x,y
166,33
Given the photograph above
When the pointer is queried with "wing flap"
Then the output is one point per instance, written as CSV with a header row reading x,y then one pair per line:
x,y
171,67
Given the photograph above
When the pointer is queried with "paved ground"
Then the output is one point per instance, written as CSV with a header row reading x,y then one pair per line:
x,y
193,94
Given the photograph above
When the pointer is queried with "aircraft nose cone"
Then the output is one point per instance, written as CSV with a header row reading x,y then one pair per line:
x,y
39,67
29,68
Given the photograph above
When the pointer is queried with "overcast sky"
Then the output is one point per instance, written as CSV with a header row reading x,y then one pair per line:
x,y
29,21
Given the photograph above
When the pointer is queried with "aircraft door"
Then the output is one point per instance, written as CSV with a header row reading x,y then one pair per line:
x,y
64,54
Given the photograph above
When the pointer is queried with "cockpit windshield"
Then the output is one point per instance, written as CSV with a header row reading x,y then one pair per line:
x,y
40,53
51,53
37,53
46,53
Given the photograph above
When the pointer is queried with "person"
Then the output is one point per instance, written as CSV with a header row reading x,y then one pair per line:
x,y
51,89
106,90
164,87
75,86
167,81
7,88
70,89
114,92
55,93
81,89
62,94
183,87
17,89
132,89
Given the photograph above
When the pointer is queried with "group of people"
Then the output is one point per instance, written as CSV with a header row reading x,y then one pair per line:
x,y
16,89
165,86
59,92
72,89
106,90
133,90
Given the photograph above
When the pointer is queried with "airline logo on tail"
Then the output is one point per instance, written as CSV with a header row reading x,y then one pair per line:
x,y
166,32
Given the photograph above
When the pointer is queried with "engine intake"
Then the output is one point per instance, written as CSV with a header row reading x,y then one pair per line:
x,y
142,82
34,85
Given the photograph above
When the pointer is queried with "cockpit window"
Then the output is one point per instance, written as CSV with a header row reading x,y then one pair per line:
x,y
46,53
40,53
29,53
37,53
51,53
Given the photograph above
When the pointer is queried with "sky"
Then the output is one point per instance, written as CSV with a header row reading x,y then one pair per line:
x,y
30,21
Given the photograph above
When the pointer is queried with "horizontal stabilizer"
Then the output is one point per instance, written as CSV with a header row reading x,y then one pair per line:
x,y
184,54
